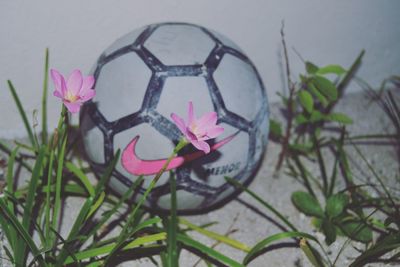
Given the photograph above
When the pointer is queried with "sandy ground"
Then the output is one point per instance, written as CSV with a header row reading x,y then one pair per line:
x,y
250,222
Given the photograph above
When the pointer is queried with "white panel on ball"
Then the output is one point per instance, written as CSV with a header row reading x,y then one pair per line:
x,y
180,44
177,93
93,140
118,82
235,79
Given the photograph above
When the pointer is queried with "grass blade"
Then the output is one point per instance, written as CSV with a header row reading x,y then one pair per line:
x,y
208,251
81,176
71,189
22,113
96,205
85,210
44,97
23,233
107,215
47,207
12,235
59,174
226,240
65,250
276,237
124,236
8,151
345,81
106,175
308,251
97,252
9,232
30,199
380,248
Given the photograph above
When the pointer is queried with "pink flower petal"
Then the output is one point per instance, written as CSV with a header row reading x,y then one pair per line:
x,y
74,83
215,131
58,81
179,122
58,94
190,136
73,107
207,120
190,113
87,84
201,145
89,94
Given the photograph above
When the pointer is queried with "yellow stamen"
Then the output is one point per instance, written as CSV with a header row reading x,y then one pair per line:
x,y
71,97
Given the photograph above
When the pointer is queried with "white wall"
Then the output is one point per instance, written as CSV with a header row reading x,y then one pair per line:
x,y
78,31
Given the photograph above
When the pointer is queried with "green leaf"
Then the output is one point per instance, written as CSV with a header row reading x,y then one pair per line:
x,y
316,116
275,128
306,100
357,230
321,98
326,87
276,237
311,68
336,204
329,230
300,119
307,204
339,117
208,251
316,222
331,69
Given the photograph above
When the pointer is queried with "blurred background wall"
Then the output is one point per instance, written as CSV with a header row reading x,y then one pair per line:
x,y
324,32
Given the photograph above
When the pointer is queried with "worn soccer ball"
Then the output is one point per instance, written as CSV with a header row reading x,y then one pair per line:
x,y
154,71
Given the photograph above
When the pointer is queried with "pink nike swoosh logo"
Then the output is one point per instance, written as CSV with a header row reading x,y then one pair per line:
x,y
136,166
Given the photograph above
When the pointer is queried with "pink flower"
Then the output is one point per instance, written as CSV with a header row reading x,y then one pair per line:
x,y
197,131
75,91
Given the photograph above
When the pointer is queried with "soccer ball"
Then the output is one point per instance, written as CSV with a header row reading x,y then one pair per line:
x,y
156,70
